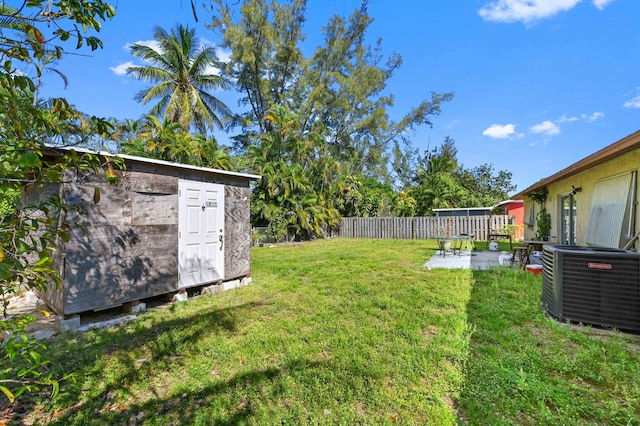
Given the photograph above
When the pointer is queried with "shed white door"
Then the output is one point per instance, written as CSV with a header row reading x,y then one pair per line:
x,y
201,233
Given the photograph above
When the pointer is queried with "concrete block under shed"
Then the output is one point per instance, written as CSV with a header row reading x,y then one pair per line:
x,y
135,307
212,289
245,281
68,324
228,285
180,296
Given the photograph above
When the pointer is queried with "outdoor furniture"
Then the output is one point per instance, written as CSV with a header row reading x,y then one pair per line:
x,y
492,235
529,247
456,243
519,254
470,240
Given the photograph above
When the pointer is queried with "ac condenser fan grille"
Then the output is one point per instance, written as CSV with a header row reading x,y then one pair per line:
x,y
606,297
596,286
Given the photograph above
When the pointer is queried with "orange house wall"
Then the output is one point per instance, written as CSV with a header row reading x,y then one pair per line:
x,y
517,210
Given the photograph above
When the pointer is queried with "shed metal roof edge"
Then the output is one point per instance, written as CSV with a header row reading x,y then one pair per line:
x,y
616,149
157,162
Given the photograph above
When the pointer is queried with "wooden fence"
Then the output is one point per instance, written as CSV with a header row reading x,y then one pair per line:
x,y
422,227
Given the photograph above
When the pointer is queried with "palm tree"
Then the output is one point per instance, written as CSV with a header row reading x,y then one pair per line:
x,y
179,68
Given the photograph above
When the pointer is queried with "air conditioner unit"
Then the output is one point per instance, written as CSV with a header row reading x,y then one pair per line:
x,y
592,285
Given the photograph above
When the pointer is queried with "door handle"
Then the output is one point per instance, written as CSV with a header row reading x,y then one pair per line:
x,y
221,239
203,207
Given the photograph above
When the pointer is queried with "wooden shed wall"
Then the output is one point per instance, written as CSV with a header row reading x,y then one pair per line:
x,y
126,247
237,240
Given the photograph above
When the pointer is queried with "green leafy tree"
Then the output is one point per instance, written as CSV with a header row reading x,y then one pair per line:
x,y
166,140
295,197
180,69
333,155
366,197
28,234
440,181
436,186
340,87
484,186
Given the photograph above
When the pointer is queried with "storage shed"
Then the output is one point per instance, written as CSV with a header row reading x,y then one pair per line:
x,y
164,227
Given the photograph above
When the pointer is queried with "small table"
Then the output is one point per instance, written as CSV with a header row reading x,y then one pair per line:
x,y
456,243
524,253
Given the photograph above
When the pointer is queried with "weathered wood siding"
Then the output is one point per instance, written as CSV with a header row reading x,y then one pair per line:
x,y
237,239
34,195
125,247
422,227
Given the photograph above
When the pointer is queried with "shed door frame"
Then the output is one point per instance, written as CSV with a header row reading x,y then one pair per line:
x,y
200,233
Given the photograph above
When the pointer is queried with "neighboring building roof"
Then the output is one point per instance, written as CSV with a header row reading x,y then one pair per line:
x,y
460,209
476,209
502,203
157,162
607,153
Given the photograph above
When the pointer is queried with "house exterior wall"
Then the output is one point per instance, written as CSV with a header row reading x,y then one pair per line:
x,y
586,180
517,210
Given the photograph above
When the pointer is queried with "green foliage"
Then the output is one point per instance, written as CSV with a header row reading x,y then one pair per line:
x,y
295,197
525,368
507,230
166,140
539,195
362,197
543,225
9,197
29,233
440,182
483,187
183,84
340,87
331,332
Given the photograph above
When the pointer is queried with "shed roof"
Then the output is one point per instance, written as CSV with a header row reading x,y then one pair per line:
x,y
616,149
158,162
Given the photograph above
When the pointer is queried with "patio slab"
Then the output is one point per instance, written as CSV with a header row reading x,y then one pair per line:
x,y
476,260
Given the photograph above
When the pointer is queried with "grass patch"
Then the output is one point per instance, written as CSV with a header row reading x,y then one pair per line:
x,y
528,369
348,332
331,332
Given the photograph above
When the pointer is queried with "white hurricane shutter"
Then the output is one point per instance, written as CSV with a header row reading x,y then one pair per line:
x,y
609,204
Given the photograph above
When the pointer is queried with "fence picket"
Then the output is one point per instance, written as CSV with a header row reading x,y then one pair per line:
x,y
421,227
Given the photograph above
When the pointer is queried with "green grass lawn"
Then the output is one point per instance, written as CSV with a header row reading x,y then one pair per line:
x,y
348,332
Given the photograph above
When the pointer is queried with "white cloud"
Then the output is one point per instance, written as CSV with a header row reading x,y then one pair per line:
x,y
121,69
454,123
154,44
223,55
601,4
500,131
530,10
546,128
565,119
593,117
633,103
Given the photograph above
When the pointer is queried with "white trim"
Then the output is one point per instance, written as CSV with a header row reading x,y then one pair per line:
x,y
157,162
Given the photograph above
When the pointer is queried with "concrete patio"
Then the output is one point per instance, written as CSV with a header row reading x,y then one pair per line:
x,y
476,260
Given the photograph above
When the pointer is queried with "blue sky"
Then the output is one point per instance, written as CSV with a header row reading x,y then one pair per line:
x,y
538,84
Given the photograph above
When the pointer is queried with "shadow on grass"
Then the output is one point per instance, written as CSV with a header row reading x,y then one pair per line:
x,y
187,407
165,344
